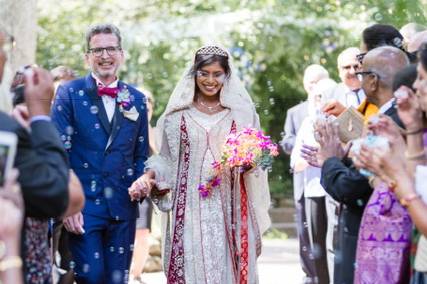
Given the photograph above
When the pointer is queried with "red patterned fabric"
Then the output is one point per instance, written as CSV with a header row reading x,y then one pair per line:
x,y
244,256
176,273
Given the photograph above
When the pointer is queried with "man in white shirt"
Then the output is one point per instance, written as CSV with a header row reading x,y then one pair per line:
x,y
348,92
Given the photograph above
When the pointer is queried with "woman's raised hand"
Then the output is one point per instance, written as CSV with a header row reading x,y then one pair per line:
x,y
408,108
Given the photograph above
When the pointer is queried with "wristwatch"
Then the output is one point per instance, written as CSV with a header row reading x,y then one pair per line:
x,y
405,201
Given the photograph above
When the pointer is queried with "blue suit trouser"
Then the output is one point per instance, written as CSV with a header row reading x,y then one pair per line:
x,y
104,252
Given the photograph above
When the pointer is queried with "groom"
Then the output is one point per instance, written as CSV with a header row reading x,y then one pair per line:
x,y
103,124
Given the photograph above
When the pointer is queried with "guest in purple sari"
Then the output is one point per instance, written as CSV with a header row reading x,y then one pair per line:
x,y
384,240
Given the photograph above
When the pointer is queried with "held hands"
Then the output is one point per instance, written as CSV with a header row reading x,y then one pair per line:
x,y
142,186
38,91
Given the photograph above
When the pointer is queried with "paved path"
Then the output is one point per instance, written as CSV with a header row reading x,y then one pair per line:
x,y
278,264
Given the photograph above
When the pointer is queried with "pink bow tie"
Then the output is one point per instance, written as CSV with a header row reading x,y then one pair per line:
x,y
106,91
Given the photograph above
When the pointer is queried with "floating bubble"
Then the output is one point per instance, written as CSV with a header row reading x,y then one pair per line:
x,y
93,186
67,145
397,42
72,264
316,251
94,109
378,17
108,192
117,276
338,256
69,130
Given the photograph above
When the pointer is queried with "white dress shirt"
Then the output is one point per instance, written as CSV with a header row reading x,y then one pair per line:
x,y
312,186
108,102
347,97
386,106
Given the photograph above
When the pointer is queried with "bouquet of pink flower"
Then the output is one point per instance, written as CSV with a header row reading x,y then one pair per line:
x,y
247,149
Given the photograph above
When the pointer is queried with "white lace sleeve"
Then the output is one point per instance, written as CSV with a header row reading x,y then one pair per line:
x,y
161,164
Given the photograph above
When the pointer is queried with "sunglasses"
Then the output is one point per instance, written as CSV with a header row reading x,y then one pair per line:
x,y
361,74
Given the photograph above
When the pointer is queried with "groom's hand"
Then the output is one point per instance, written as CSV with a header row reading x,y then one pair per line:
x,y
74,224
142,187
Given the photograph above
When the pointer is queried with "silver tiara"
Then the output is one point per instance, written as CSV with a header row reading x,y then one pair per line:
x,y
212,50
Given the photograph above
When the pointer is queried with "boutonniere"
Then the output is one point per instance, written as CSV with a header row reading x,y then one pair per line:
x,y
131,114
124,99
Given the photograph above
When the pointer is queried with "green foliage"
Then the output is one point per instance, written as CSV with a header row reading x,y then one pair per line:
x,y
275,234
271,44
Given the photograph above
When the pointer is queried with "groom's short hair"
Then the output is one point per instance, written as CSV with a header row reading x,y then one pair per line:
x,y
102,29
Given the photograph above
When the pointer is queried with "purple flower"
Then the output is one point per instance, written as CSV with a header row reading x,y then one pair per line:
x,y
216,182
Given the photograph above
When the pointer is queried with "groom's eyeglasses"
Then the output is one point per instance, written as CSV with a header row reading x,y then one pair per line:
x,y
111,50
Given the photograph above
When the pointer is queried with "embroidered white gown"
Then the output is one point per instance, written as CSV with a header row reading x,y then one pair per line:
x,y
198,245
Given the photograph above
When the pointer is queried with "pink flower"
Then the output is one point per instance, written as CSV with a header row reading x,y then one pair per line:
x,y
244,150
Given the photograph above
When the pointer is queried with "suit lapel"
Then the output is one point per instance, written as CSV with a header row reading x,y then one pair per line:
x,y
97,101
117,120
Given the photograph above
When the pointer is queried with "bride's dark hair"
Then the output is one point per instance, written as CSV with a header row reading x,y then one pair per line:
x,y
207,59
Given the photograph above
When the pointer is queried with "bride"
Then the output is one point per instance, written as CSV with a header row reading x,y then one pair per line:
x,y
215,239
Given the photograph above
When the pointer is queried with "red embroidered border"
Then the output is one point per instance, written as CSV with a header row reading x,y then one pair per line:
x,y
244,255
176,273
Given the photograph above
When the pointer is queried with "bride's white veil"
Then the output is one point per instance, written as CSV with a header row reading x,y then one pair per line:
x,y
233,95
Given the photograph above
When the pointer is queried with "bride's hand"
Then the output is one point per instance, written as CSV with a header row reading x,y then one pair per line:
x,y
142,186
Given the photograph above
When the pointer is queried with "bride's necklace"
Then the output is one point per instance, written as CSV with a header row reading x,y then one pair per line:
x,y
209,108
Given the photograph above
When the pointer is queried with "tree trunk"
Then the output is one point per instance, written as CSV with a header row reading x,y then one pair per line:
x,y
19,19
